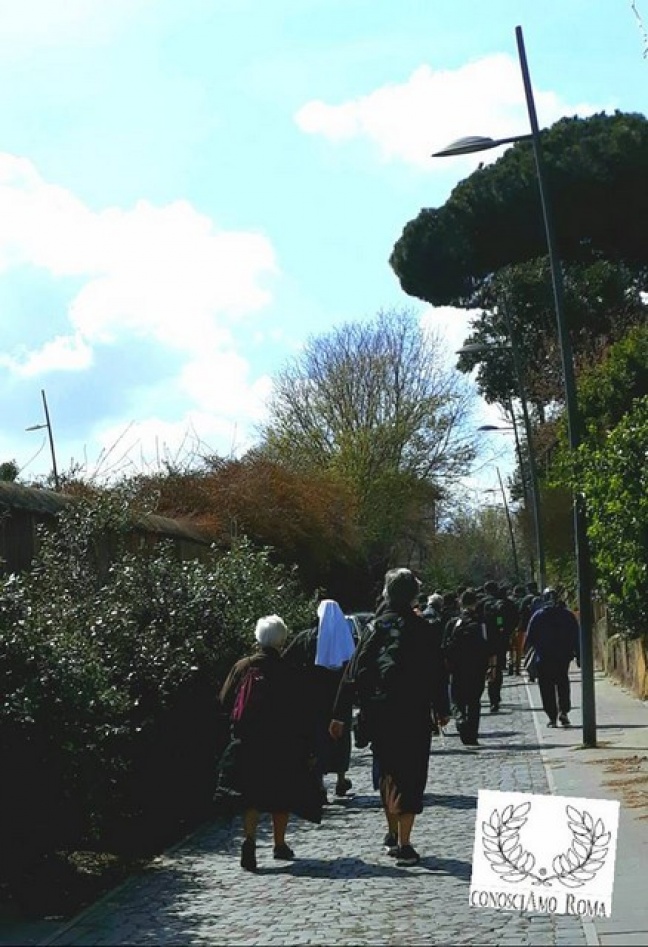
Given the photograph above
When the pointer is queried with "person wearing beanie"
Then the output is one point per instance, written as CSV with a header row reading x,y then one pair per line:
x,y
406,684
267,764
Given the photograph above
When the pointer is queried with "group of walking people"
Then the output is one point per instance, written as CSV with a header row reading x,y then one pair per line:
x,y
291,703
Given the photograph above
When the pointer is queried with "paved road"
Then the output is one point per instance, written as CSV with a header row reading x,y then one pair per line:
x,y
342,889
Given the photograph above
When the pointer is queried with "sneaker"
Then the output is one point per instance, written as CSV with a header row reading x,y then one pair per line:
x,y
564,719
342,786
283,852
390,844
494,708
248,855
551,723
406,855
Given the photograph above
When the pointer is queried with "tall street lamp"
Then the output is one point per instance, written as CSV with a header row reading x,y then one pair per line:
x,y
509,523
534,485
48,425
467,146
518,450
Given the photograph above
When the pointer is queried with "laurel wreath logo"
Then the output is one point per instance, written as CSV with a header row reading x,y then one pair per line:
x,y
579,864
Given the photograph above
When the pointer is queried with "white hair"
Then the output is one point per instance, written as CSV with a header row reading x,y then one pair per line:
x,y
271,632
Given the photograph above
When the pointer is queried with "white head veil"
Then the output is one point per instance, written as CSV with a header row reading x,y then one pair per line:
x,y
335,643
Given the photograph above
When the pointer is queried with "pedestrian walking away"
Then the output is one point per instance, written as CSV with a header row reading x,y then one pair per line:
x,y
492,617
319,656
554,637
467,653
268,765
399,680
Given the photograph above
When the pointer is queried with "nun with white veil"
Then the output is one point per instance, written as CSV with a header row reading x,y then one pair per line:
x,y
320,655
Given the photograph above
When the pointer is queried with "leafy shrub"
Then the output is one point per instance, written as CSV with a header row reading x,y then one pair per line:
x,y
112,661
614,478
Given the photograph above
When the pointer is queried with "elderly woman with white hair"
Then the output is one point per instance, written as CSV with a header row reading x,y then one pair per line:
x,y
268,761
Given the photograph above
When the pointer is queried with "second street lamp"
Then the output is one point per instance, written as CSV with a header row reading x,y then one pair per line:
x,y
534,486
467,146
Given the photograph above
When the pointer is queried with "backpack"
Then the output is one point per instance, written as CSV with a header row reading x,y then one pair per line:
x,y
465,637
374,659
250,699
510,614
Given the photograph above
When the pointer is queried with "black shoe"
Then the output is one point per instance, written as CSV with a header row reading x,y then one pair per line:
x,y
342,786
551,723
248,855
324,799
407,856
390,845
564,719
283,852
494,708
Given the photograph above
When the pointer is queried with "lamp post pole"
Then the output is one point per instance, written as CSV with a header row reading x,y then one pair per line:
x,y
516,566
534,485
48,425
509,522
573,421
474,144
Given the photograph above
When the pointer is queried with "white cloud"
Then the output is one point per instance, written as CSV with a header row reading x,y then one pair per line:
x,y
166,273
64,353
144,446
43,23
410,120
450,323
220,383
495,450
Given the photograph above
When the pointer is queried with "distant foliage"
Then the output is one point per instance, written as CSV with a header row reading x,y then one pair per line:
x,y
306,517
9,471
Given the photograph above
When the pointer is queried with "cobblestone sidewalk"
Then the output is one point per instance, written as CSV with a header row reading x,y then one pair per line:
x,y
341,889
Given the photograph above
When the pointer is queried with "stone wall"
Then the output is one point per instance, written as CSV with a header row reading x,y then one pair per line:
x,y
624,659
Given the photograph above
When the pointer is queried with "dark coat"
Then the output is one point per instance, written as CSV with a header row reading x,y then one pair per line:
x,y
415,686
269,766
318,687
554,635
466,648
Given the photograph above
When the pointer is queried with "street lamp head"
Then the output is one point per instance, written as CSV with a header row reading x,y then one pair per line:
x,y
473,143
494,427
36,427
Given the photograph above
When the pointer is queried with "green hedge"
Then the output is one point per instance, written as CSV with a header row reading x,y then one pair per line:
x,y
614,478
109,723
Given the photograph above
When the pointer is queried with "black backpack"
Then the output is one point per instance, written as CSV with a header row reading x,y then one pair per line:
x,y
370,670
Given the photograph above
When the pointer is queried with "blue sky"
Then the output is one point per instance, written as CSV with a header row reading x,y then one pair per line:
x,y
190,188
